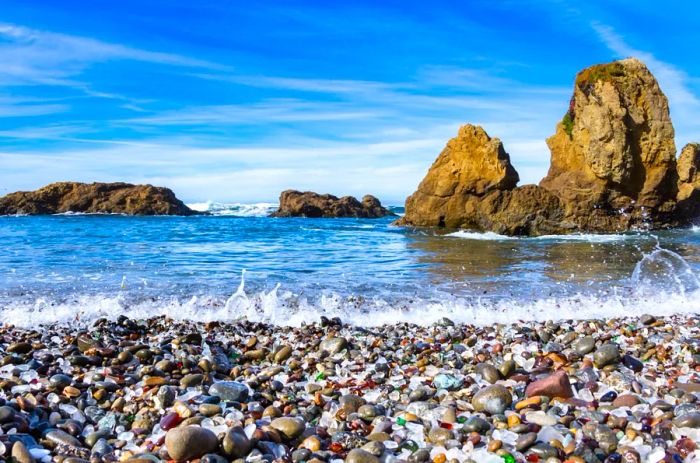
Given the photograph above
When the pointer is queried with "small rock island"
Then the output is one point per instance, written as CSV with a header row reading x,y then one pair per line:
x,y
613,168
295,203
94,198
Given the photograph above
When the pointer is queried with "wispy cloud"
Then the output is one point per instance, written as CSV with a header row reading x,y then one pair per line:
x,y
673,80
37,56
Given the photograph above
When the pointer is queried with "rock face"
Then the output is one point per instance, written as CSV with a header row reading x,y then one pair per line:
x,y
613,168
614,150
110,198
308,204
471,165
689,181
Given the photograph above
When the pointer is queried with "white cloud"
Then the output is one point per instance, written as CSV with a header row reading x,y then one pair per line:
x,y
674,82
32,56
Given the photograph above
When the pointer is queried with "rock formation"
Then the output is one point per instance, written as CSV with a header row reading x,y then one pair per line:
x,y
613,168
309,204
471,165
109,198
689,181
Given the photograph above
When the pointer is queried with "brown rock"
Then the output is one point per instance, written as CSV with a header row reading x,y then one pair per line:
x,y
689,181
614,149
626,400
108,198
554,385
308,204
613,168
471,165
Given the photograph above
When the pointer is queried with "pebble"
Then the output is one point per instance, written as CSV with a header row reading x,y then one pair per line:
x,y
607,354
146,390
190,442
492,399
360,456
291,428
230,391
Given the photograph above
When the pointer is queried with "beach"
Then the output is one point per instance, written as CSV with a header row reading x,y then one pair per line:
x,y
622,389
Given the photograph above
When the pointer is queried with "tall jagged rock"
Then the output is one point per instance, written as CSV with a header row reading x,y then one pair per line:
x,y
689,181
471,165
90,198
613,168
614,149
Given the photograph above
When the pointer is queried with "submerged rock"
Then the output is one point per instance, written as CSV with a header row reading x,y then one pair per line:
x,y
93,198
309,204
613,168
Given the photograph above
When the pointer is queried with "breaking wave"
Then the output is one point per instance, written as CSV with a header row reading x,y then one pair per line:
x,y
235,209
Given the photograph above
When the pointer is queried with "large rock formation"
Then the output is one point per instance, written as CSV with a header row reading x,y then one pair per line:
x,y
613,168
471,165
308,204
108,198
689,181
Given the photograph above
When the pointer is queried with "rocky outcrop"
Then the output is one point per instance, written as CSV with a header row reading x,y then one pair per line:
x,y
92,198
471,165
613,168
309,204
689,181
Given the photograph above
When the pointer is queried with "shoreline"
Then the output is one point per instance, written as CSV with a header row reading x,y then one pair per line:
x,y
588,390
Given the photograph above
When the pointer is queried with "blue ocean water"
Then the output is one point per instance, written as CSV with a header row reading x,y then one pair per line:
x,y
239,263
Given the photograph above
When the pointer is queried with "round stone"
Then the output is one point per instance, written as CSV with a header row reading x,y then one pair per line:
x,y
283,354
607,354
229,391
477,424
236,444
584,345
494,399
190,442
488,372
360,456
690,420
60,381
291,428
525,441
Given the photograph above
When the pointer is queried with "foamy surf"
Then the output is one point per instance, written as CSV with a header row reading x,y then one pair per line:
x,y
661,284
235,209
584,237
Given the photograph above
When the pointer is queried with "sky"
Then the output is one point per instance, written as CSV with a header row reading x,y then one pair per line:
x,y
236,101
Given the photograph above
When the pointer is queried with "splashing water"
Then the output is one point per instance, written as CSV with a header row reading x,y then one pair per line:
x,y
367,272
664,271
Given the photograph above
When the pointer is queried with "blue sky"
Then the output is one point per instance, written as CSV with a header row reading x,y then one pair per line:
x,y
236,101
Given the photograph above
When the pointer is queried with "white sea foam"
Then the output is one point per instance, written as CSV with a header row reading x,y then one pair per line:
x,y
286,309
235,209
480,236
585,237
662,283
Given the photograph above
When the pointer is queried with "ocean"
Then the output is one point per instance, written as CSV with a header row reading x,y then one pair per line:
x,y
238,263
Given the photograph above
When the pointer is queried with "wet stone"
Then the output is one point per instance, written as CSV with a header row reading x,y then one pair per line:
x,y
607,354
333,345
230,391
488,372
493,399
190,442
525,441
690,420
291,428
360,456
584,345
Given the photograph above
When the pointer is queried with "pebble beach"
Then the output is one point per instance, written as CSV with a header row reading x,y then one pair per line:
x,y
618,390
